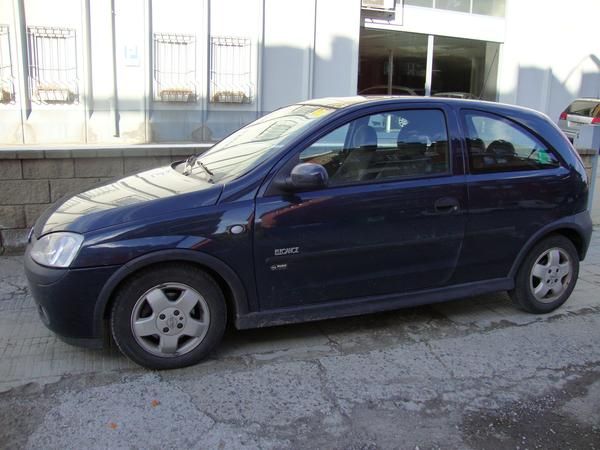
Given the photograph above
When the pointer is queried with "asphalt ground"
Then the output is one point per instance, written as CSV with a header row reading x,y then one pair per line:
x,y
474,373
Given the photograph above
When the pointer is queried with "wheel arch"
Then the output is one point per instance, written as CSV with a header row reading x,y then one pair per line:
x,y
231,285
571,230
576,238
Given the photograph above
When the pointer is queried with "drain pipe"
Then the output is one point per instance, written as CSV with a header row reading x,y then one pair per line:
x,y
115,96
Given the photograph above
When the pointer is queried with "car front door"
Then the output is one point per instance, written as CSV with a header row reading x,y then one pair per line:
x,y
390,220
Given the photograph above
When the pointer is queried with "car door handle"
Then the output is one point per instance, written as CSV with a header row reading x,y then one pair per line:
x,y
446,205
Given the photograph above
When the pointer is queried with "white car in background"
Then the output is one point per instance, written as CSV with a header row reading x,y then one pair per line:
x,y
582,111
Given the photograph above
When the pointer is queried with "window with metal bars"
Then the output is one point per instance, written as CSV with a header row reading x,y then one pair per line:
x,y
7,84
174,67
230,70
52,58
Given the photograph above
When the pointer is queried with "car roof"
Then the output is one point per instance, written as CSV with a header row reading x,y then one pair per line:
x,y
357,101
337,102
385,86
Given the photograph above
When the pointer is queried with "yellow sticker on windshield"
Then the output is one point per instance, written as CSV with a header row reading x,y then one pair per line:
x,y
320,112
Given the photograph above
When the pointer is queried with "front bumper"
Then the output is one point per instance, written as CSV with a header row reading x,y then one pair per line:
x,y
66,300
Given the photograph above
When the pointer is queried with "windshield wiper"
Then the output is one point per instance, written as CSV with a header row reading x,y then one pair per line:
x,y
201,164
191,162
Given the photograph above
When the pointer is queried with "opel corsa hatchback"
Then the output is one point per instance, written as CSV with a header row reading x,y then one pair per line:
x,y
328,208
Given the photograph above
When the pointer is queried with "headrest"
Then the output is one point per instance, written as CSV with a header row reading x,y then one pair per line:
x,y
501,148
365,136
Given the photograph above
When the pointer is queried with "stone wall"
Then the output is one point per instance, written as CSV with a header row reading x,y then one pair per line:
x,y
31,180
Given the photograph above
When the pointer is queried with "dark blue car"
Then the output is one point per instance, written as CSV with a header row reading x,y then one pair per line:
x,y
326,208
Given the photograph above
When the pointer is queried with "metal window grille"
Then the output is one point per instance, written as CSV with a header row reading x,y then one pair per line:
x,y
7,85
52,65
230,70
174,70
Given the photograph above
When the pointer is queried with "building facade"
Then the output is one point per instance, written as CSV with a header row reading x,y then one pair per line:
x,y
104,72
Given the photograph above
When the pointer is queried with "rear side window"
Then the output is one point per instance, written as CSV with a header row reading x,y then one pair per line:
x,y
385,146
498,145
586,108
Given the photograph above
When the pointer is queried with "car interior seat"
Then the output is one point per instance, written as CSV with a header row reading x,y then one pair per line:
x,y
360,154
500,147
476,146
410,144
477,154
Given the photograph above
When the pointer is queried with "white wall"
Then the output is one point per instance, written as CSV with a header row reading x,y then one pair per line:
x,y
239,19
299,50
551,54
336,48
172,121
311,50
289,40
11,130
414,19
54,124
41,123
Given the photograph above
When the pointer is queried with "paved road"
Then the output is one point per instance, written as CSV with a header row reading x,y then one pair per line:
x,y
474,373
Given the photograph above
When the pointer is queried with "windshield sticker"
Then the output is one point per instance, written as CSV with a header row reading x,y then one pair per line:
x,y
319,112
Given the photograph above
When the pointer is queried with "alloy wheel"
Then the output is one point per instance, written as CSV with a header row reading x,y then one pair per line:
x,y
551,275
170,319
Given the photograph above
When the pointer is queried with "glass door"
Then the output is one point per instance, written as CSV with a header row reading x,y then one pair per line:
x,y
464,68
392,63
396,63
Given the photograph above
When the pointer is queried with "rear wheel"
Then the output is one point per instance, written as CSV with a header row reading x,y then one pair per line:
x,y
168,317
547,276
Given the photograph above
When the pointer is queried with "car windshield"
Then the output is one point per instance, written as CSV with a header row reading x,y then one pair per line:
x,y
253,144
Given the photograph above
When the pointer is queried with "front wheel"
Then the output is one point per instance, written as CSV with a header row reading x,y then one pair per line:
x,y
547,276
168,317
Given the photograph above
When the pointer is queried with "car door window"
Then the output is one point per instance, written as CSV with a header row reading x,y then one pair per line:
x,y
380,147
327,150
498,145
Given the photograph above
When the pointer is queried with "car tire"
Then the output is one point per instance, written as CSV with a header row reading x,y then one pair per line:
x,y
547,275
168,317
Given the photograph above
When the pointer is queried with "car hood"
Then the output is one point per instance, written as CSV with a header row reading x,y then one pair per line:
x,y
140,196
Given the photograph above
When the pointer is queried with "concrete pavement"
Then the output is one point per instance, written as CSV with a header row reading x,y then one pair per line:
x,y
474,373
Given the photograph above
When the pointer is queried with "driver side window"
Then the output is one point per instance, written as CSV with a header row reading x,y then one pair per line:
x,y
380,147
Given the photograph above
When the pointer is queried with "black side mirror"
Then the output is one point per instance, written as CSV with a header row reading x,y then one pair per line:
x,y
305,177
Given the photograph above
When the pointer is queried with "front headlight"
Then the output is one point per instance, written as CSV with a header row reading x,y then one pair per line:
x,y
56,249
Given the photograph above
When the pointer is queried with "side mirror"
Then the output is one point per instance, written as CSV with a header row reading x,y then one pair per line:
x,y
305,177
